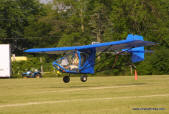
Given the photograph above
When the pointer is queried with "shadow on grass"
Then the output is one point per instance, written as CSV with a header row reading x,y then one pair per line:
x,y
132,84
75,86
88,86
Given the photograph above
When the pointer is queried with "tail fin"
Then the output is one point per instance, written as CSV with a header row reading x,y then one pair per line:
x,y
137,53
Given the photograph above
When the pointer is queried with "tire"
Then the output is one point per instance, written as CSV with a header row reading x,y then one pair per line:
x,y
38,76
83,78
66,79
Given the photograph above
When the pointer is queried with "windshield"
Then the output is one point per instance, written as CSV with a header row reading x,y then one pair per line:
x,y
69,62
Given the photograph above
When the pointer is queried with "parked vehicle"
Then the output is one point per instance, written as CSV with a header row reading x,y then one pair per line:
x,y
30,74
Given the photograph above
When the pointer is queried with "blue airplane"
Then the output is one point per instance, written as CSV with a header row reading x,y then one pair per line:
x,y
81,59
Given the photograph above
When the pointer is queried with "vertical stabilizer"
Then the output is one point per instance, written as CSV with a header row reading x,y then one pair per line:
x,y
137,53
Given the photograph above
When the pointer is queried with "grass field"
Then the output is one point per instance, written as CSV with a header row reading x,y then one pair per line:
x,y
99,95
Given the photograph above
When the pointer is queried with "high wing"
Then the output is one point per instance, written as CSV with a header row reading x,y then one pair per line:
x,y
115,45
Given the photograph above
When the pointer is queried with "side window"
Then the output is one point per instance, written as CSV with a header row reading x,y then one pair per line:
x,y
75,59
84,57
69,62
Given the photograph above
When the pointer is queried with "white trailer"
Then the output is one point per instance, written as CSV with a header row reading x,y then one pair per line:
x,y
5,61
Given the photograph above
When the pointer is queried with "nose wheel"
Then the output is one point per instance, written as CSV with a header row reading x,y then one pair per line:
x,y
83,78
66,79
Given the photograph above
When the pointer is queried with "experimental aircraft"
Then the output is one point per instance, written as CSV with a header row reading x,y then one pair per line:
x,y
81,59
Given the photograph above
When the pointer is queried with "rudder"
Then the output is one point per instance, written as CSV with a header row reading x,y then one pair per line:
x,y
137,53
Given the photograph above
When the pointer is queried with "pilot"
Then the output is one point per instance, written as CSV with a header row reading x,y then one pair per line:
x,y
75,62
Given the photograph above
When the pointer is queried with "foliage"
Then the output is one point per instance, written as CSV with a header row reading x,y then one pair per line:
x,y
14,17
19,67
157,63
113,65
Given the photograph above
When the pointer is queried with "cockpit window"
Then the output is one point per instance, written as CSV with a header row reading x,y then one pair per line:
x,y
70,62
84,57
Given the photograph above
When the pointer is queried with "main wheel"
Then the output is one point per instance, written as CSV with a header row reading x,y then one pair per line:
x,y
83,78
66,79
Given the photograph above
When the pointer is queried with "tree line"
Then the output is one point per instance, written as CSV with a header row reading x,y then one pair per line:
x,y
30,24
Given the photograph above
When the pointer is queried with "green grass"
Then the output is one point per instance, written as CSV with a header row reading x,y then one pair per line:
x,y
99,95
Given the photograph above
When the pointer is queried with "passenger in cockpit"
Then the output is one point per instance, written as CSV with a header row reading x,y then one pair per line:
x,y
75,62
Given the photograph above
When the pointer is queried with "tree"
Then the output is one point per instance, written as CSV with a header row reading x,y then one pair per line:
x,y
156,63
15,16
98,15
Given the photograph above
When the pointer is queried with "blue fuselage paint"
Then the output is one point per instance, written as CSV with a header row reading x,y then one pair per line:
x,y
86,68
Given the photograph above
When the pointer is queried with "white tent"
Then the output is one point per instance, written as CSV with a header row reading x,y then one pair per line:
x,y
5,60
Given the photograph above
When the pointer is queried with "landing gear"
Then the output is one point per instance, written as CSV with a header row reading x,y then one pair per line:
x,y
66,79
83,78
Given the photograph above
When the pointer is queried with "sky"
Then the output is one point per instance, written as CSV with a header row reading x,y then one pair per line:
x,y
45,1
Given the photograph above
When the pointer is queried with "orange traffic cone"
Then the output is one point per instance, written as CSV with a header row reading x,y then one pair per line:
x,y
135,74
